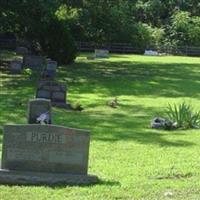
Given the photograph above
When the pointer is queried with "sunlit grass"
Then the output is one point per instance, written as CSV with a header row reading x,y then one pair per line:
x,y
132,160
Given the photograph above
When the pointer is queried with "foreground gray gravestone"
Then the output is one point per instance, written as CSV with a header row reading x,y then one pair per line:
x,y
101,53
36,108
33,62
45,154
16,66
55,91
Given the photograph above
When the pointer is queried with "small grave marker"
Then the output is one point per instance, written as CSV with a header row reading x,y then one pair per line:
x,y
16,66
33,62
21,50
36,108
50,71
55,91
101,53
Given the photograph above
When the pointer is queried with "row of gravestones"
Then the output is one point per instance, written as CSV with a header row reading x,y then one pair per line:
x,y
47,88
45,154
35,63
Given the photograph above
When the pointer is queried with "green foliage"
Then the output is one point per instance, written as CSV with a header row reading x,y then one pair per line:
x,y
183,115
143,23
27,72
58,45
185,29
39,22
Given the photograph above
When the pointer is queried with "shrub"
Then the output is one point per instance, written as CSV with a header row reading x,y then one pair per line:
x,y
58,43
183,115
27,72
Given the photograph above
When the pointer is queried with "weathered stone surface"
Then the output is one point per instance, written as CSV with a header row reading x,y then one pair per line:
x,y
44,94
55,91
101,53
58,96
33,62
37,107
16,66
45,148
22,50
12,177
51,65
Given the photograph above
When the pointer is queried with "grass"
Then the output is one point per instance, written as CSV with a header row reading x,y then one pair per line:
x,y
132,160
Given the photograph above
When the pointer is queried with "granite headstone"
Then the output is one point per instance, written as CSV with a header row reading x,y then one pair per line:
x,y
51,69
36,108
55,91
34,62
45,154
16,66
101,53
21,50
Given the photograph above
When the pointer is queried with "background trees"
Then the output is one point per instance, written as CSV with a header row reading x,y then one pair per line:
x,y
52,26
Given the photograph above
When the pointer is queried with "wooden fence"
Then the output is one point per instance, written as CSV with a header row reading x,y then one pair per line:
x,y
128,48
10,44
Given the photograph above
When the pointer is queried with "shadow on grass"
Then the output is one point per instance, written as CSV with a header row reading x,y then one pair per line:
x,y
122,127
134,78
64,185
108,79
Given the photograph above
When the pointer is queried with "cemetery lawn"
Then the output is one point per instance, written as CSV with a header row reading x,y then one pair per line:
x,y
132,160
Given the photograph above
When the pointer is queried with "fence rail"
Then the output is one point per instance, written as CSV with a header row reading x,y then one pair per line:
x,y
11,44
128,48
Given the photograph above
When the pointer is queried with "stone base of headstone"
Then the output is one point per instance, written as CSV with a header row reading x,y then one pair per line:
x,y
13,177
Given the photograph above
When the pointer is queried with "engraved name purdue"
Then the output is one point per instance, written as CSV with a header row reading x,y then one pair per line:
x,y
45,137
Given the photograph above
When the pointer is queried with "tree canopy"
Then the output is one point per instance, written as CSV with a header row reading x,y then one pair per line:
x,y
142,23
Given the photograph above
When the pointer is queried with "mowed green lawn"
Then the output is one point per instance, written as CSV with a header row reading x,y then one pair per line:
x,y
132,160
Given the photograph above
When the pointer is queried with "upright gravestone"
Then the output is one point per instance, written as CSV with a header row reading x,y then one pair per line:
x,y
51,68
101,53
45,154
55,91
21,50
33,62
38,110
16,66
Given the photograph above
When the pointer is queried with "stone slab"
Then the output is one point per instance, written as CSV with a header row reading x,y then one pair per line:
x,y
55,91
36,107
101,53
16,66
21,50
12,177
44,94
51,65
45,148
33,62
